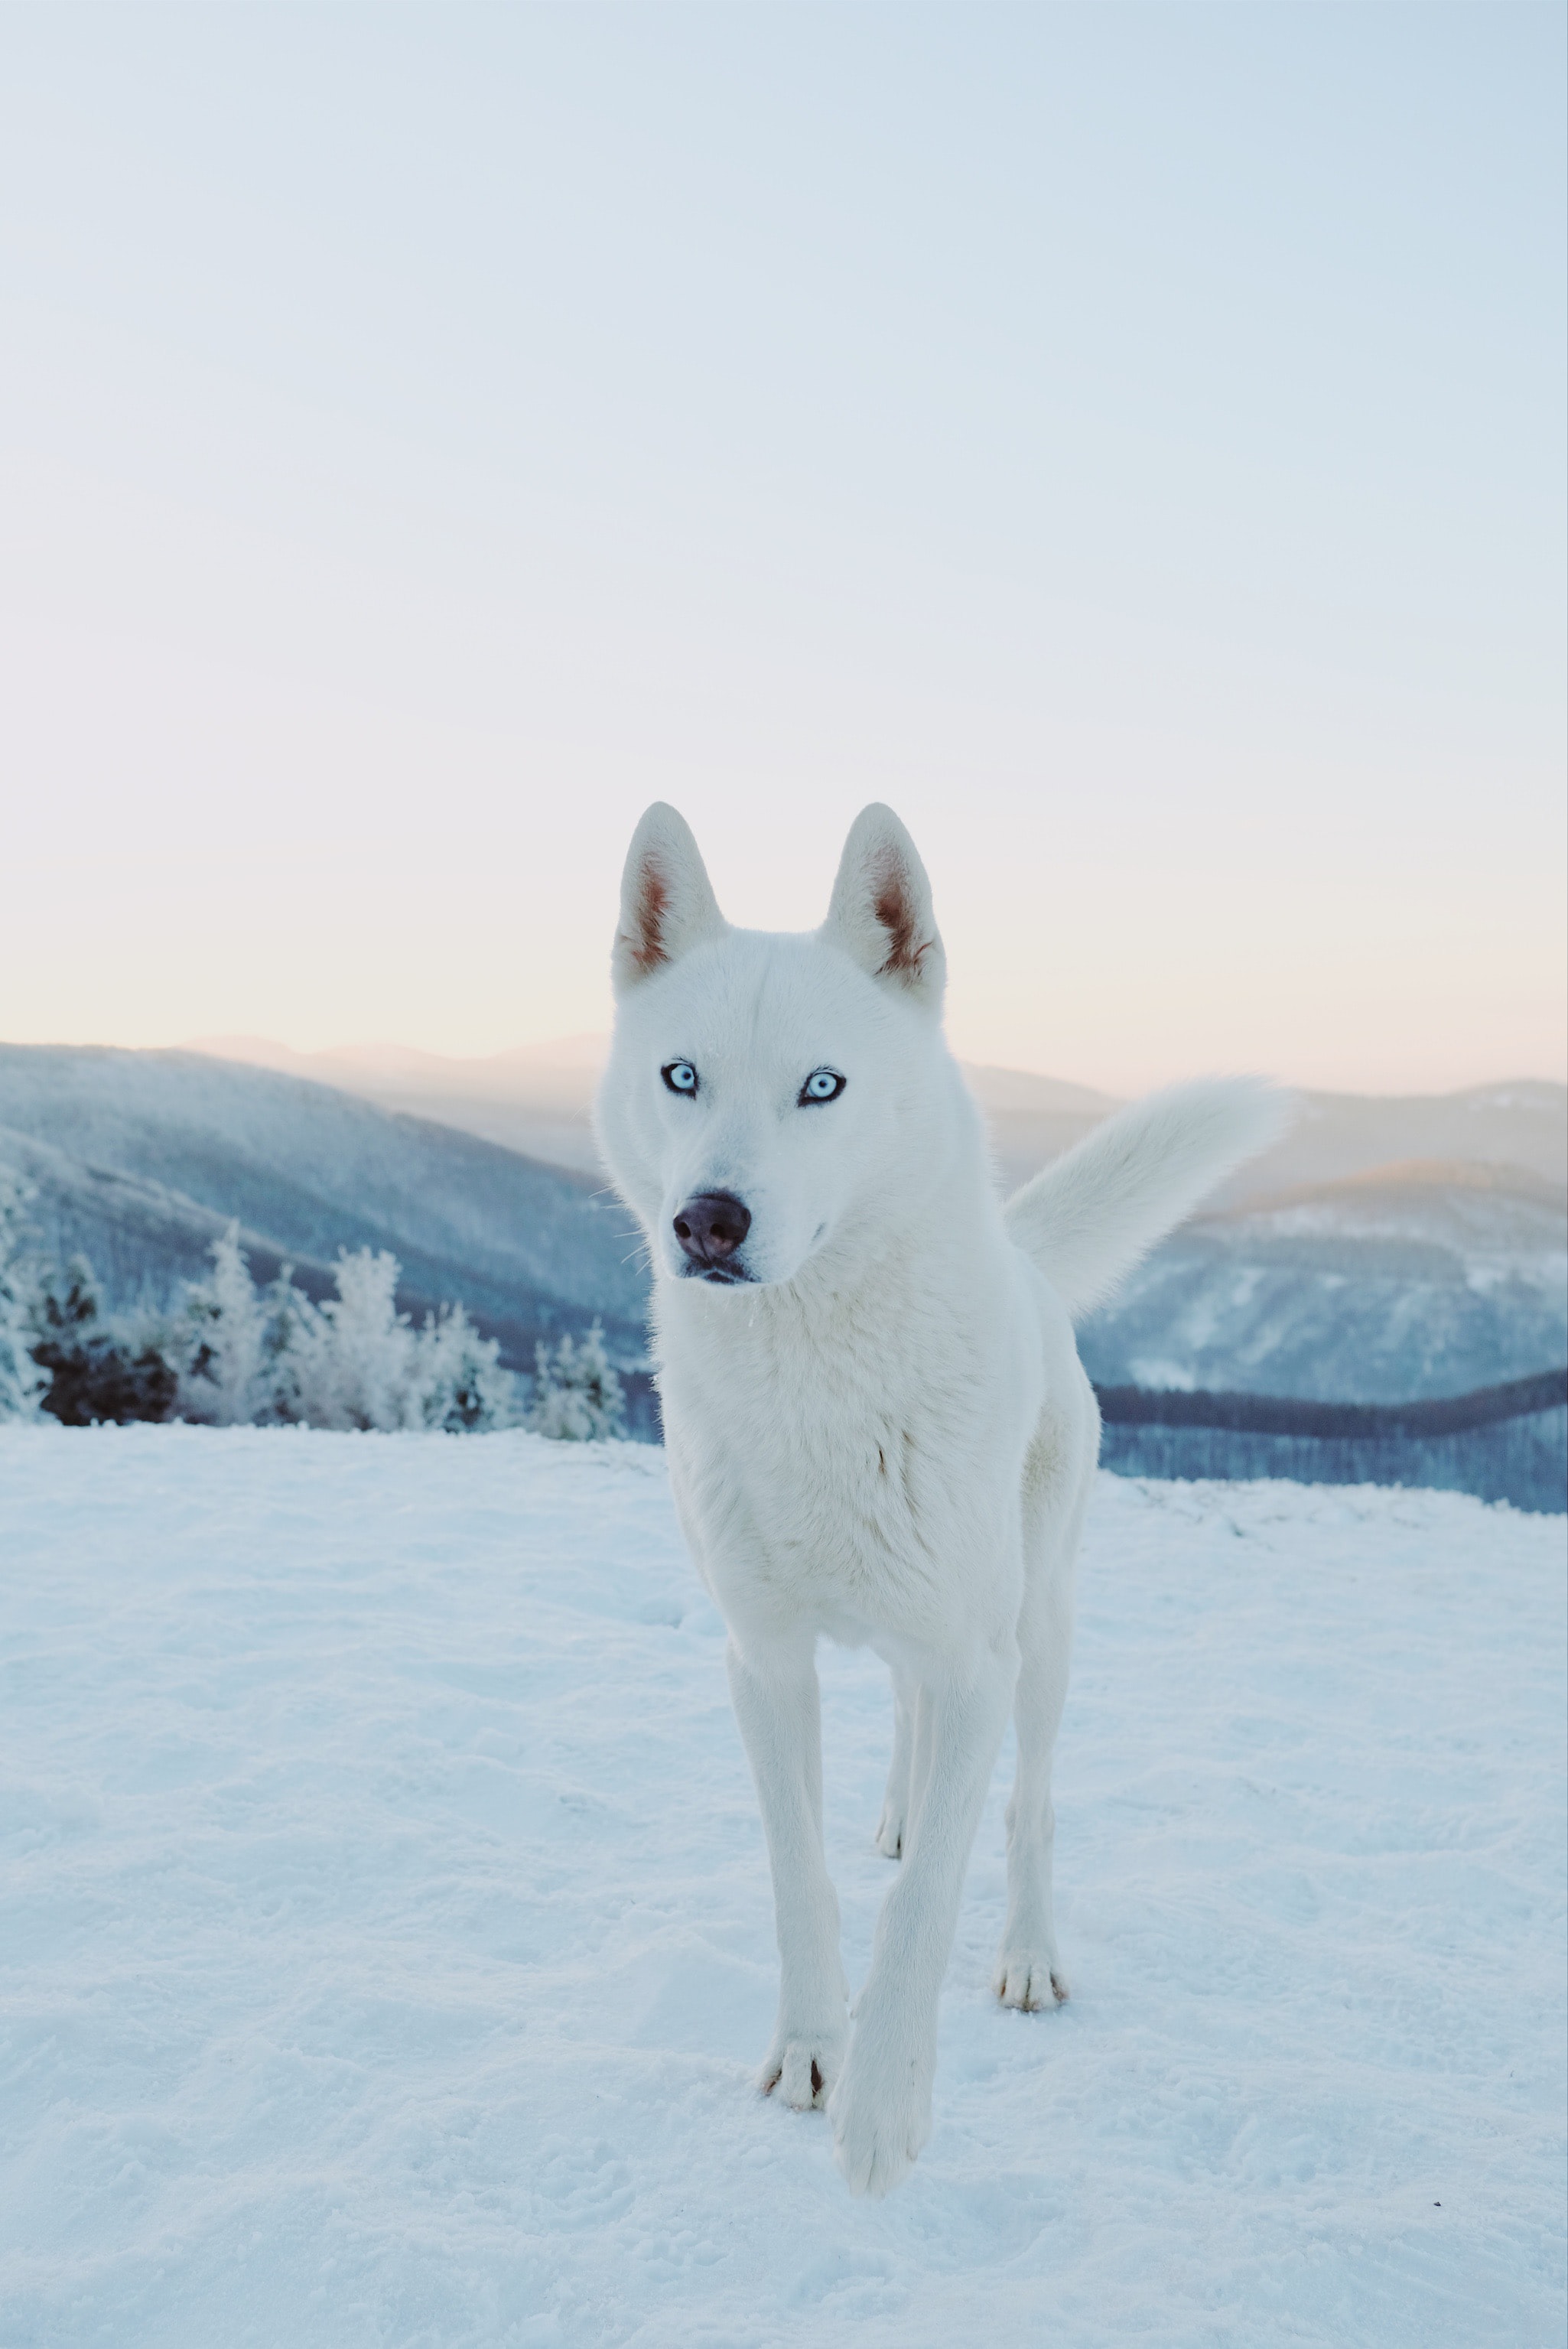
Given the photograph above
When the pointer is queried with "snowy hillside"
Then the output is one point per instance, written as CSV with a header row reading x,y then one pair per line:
x,y
140,1158
1413,1280
535,1099
388,1943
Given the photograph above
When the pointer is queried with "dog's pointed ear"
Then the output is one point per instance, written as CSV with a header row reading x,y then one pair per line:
x,y
881,911
667,905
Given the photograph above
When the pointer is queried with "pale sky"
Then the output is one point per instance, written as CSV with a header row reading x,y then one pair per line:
x,y
1128,439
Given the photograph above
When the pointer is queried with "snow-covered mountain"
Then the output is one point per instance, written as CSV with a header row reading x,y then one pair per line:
x,y
535,1099
1335,1136
1426,1278
139,1159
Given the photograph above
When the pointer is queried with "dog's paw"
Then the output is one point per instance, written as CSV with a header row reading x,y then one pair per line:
x,y
1030,1980
890,1831
802,2068
882,2117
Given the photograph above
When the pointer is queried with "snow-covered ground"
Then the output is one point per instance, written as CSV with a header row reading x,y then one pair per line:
x,y
388,1940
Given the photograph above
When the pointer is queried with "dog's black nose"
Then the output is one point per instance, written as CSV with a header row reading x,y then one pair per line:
x,y
711,1226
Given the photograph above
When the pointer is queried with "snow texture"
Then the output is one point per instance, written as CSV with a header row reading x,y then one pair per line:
x,y
387,1938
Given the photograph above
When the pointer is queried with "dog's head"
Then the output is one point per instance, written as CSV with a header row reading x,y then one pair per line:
x,y
761,1090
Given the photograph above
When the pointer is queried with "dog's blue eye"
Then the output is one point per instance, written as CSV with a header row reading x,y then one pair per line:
x,y
821,1085
680,1076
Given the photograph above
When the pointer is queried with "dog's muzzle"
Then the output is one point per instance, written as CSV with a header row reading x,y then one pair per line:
x,y
710,1229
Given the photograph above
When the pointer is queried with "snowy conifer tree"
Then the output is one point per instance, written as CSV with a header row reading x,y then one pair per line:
x,y
355,1356
577,1395
351,1362
460,1384
222,1374
296,1344
22,1382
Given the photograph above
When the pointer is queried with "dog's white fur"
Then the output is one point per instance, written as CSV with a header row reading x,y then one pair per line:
x,y
880,1432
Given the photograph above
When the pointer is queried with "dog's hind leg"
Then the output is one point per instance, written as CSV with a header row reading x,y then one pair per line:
x,y
893,1827
778,1706
1028,1970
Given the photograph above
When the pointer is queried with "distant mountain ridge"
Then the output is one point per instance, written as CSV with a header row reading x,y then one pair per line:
x,y
536,1098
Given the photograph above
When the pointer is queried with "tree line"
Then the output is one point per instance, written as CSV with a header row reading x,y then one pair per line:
x,y
228,1353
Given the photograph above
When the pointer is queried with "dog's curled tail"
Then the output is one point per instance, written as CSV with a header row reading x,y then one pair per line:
x,y
1091,1216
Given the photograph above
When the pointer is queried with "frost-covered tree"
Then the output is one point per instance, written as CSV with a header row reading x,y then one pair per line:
x,y
22,1382
354,1363
231,1355
225,1357
297,1340
460,1384
98,1369
577,1395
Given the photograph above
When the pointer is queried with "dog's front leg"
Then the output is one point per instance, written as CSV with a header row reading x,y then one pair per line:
x,y
778,1705
881,2107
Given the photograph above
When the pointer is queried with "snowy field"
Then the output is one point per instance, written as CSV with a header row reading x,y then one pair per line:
x,y
386,1940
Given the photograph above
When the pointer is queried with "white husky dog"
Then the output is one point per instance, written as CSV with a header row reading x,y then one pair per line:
x,y
877,1424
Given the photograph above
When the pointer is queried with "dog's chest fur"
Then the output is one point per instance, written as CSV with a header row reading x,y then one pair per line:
x,y
849,1461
